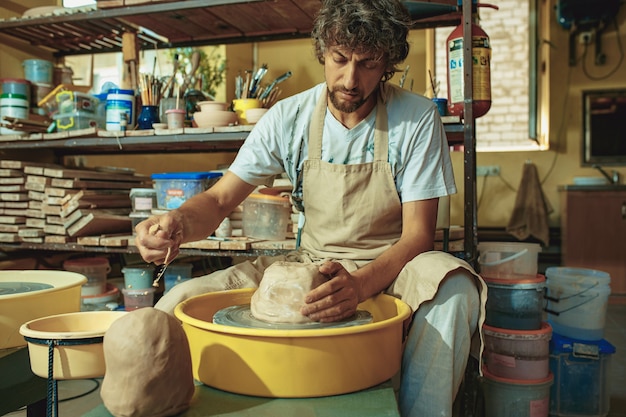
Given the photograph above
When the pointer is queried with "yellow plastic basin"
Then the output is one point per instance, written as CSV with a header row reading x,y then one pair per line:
x,y
78,353
292,363
62,296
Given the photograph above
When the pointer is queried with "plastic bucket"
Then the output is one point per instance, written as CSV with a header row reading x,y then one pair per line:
x,y
518,354
138,277
15,86
135,298
38,70
95,269
13,105
514,397
516,305
508,260
577,301
266,216
175,274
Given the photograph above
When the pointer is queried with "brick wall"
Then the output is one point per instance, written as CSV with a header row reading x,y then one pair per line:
x,y
505,126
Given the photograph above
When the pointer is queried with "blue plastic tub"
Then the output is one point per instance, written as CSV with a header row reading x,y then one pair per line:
x,y
580,371
174,188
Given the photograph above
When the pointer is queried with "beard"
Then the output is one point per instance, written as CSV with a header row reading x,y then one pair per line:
x,y
344,106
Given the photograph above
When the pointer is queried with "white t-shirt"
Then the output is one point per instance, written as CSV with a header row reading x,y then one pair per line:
x,y
418,148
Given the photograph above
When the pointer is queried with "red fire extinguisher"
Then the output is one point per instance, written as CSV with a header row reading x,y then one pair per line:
x,y
481,68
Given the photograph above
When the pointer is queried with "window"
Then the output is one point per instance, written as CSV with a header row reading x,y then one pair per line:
x,y
506,126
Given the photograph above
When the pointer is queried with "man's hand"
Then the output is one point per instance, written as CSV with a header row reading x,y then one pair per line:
x,y
334,300
159,237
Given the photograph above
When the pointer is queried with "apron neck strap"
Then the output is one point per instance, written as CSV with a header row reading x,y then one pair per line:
x,y
316,130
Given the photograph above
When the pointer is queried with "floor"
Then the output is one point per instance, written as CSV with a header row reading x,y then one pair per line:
x,y
79,397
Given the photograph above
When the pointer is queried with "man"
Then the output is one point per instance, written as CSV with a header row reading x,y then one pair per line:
x,y
368,162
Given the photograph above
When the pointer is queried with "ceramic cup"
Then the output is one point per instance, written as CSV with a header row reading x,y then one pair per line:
x,y
241,105
442,105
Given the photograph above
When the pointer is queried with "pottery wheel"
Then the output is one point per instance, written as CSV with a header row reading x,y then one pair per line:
x,y
8,288
241,316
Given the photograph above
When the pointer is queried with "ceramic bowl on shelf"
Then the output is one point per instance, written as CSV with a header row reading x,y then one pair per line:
x,y
214,118
253,115
212,105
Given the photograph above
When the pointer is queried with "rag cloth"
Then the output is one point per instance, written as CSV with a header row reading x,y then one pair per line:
x,y
531,210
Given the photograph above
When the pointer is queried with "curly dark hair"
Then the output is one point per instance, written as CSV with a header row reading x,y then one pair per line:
x,y
365,26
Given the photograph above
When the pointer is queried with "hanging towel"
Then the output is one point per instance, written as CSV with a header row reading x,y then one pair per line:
x,y
530,214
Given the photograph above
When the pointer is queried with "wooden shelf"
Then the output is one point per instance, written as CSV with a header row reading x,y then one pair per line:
x,y
89,141
188,23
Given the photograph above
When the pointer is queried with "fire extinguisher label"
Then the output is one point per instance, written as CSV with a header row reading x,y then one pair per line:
x,y
481,57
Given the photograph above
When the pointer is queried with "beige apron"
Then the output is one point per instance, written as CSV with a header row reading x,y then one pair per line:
x,y
353,213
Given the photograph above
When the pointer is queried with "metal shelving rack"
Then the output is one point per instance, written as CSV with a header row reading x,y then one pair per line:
x,y
195,22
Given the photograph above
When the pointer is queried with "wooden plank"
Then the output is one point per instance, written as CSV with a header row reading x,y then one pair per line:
x,y
15,204
30,232
36,205
12,188
38,214
12,180
57,220
58,239
287,244
54,229
7,172
12,219
36,195
68,173
15,164
51,210
39,223
9,237
10,228
116,241
88,240
31,239
202,244
93,224
69,183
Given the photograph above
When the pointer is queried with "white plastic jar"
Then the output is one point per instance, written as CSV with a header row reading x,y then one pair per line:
x,y
13,105
120,109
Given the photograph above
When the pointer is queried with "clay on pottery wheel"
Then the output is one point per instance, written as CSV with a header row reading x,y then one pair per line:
x,y
282,290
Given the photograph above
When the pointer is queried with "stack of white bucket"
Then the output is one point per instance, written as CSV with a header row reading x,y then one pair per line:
x,y
516,372
579,356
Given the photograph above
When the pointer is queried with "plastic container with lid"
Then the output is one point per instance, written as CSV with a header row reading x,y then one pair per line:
x,y
77,120
71,101
577,301
266,216
517,354
174,188
16,86
143,199
176,273
120,109
95,269
508,260
516,397
516,305
581,371
13,105
138,277
38,70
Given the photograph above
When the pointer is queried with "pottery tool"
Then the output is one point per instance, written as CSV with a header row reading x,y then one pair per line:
x,y
161,268
278,80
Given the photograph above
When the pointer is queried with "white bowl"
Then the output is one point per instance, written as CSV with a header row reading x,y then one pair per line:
x,y
78,352
253,115
214,118
211,105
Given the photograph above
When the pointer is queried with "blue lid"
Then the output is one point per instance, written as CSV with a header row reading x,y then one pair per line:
x,y
121,91
186,175
562,344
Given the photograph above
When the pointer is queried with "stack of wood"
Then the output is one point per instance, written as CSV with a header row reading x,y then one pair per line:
x,y
53,204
